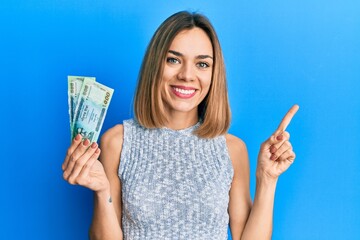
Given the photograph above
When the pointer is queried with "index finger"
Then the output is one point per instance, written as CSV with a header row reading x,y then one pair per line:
x,y
75,143
287,119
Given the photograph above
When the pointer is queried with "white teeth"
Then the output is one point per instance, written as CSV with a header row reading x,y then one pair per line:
x,y
183,91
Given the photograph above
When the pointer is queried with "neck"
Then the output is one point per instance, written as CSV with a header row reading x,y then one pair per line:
x,y
182,120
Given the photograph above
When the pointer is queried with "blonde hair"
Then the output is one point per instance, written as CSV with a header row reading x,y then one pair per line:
x,y
213,111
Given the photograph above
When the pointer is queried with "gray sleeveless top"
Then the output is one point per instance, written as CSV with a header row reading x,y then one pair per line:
x,y
175,185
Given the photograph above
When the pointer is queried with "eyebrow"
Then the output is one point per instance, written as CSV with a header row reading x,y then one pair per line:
x,y
198,56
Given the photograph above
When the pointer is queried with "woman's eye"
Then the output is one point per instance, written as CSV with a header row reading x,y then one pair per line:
x,y
203,65
172,60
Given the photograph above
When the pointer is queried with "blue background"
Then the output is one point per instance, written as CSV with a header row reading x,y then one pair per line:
x,y
277,53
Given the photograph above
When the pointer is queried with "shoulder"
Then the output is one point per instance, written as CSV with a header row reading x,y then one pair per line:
x,y
235,145
111,145
113,137
238,154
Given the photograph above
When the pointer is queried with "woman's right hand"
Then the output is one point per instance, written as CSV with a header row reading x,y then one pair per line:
x,y
81,165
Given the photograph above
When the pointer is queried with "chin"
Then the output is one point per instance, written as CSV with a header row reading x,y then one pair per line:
x,y
184,108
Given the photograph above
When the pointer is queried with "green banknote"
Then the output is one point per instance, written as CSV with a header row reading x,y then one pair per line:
x,y
90,111
75,84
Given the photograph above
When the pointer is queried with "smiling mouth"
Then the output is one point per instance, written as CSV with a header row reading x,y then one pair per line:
x,y
183,92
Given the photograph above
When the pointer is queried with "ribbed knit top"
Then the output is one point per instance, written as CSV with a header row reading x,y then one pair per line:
x,y
175,185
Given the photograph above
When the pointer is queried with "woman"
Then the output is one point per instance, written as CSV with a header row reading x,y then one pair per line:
x,y
174,172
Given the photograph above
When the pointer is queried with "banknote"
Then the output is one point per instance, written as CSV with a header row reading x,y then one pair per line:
x,y
93,102
74,87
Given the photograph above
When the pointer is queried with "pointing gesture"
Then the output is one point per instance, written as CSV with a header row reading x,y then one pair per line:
x,y
276,154
287,119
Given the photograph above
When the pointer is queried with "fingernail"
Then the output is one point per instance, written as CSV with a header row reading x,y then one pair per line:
x,y
272,149
280,137
97,150
272,157
94,145
86,142
77,137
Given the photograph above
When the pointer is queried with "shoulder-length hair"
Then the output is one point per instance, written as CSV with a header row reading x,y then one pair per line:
x,y
213,111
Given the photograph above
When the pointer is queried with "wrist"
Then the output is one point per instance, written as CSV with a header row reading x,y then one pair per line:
x,y
265,187
103,193
265,179
266,176
103,196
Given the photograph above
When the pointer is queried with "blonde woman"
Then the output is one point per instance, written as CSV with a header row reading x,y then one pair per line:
x,y
174,172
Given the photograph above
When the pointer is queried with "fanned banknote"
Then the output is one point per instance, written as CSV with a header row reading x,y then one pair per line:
x,y
74,86
91,108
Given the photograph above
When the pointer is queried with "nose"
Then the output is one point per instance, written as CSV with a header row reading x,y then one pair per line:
x,y
186,72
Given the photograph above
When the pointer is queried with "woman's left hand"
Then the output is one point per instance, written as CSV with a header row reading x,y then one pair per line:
x,y
276,154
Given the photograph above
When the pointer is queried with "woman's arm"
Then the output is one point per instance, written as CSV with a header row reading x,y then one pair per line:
x,y
249,221
275,157
106,222
81,167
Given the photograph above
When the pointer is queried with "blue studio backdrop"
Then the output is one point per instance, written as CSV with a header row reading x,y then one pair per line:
x,y
277,53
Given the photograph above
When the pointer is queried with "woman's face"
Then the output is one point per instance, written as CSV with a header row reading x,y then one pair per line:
x,y
187,72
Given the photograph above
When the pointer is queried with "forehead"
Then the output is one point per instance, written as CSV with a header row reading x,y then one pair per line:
x,y
192,42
